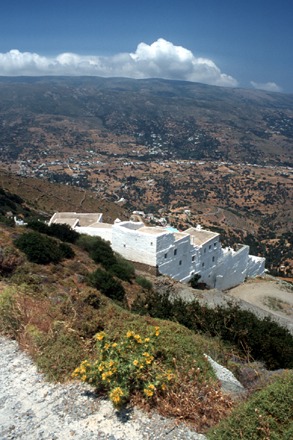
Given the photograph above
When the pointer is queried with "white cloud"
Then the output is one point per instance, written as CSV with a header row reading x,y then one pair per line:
x,y
269,86
161,59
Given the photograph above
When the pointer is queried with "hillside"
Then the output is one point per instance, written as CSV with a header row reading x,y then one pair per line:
x,y
44,198
89,316
163,147
171,119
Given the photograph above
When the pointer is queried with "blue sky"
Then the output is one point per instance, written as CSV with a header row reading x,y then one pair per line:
x,y
230,43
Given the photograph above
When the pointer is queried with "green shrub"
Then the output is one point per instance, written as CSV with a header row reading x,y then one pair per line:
x,y
10,318
7,221
126,367
86,242
122,269
144,282
266,415
62,231
66,251
260,339
103,254
39,248
38,226
99,250
59,353
104,281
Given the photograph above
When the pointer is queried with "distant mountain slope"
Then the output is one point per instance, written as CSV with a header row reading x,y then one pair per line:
x,y
174,119
40,195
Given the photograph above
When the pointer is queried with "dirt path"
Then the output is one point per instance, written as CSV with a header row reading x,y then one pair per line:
x,y
271,296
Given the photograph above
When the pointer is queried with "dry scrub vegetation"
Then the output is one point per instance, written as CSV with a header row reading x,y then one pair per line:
x,y
55,310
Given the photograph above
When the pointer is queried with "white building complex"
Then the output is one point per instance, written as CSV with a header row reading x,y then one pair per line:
x,y
177,254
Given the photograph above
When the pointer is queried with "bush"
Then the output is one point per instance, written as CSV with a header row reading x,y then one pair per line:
x,y
122,269
260,339
38,226
86,242
10,317
123,368
39,248
66,251
99,250
144,283
104,281
61,231
103,254
59,353
267,415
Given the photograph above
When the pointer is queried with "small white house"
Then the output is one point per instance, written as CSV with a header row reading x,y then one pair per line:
x,y
177,254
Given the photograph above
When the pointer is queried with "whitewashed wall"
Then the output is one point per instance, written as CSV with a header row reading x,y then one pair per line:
x,y
105,233
134,245
255,266
231,268
175,259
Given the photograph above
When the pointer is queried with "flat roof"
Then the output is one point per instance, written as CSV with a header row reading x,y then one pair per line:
x,y
153,230
70,218
201,236
68,221
180,235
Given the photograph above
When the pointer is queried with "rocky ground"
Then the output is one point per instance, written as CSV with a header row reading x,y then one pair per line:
x,y
33,409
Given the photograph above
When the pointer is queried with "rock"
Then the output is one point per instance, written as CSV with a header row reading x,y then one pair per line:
x,y
228,381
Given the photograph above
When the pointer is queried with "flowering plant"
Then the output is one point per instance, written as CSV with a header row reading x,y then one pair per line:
x,y
123,367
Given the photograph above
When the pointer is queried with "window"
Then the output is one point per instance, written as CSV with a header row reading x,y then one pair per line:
x,y
193,258
124,245
151,243
166,255
175,251
210,247
205,249
180,262
215,244
202,265
213,259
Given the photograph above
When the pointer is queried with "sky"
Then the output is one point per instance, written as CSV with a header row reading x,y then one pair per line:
x,y
227,43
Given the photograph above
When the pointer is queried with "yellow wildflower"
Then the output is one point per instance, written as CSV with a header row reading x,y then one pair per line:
x,y
116,395
135,362
148,392
114,345
147,340
129,334
100,336
138,339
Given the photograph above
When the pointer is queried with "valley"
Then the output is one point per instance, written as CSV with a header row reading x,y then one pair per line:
x,y
182,153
